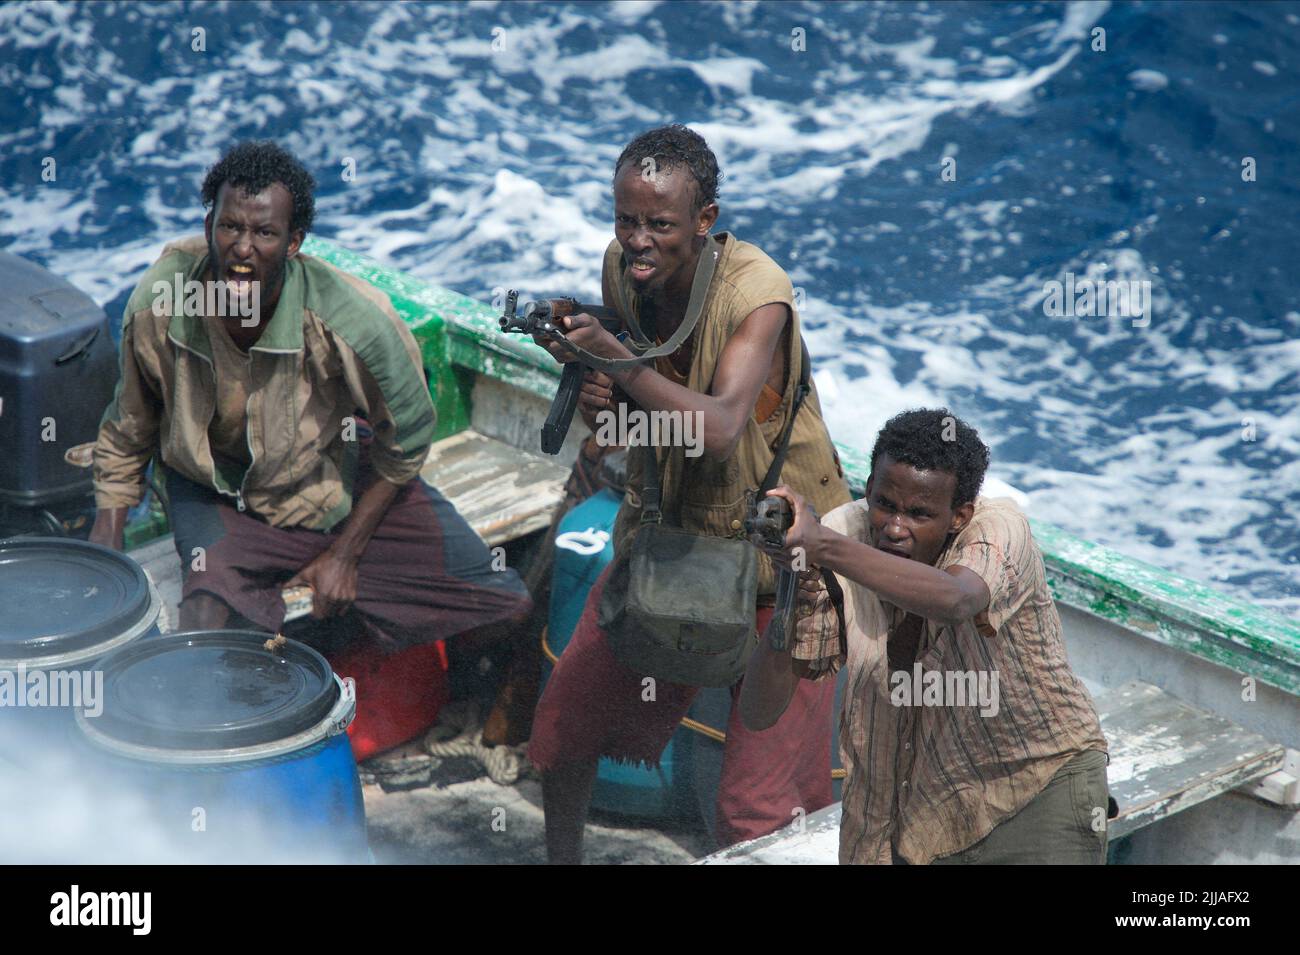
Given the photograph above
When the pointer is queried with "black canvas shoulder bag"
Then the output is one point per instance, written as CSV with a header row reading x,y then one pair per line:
x,y
681,606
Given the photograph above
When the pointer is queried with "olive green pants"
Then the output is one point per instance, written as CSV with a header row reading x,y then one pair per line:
x,y
1065,824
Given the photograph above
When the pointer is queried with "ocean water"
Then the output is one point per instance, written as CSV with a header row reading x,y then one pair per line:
x,y
921,170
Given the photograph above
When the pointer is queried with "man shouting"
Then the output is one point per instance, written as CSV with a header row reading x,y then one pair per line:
x,y
288,404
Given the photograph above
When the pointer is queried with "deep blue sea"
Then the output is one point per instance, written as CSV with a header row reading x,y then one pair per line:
x,y
921,170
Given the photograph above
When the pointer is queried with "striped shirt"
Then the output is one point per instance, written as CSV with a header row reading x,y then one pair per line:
x,y
938,756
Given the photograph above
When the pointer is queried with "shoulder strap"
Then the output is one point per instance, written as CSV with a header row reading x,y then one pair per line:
x,y
836,594
801,391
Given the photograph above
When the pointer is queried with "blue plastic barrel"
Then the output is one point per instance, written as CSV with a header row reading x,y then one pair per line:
x,y
64,604
583,549
239,752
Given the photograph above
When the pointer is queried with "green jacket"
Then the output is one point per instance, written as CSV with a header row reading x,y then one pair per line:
x,y
334,347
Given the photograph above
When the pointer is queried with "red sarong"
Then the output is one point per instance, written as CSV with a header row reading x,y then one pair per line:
x,y
594,706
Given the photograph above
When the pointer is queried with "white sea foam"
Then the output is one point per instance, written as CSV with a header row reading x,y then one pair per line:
x,y
1148,81
480,168
56,811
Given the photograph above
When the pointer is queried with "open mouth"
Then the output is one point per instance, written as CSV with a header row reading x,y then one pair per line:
x,y
641,269
239,275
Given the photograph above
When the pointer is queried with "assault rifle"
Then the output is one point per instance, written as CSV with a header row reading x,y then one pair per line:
x,y
540,318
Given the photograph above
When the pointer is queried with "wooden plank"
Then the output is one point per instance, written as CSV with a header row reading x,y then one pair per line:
x,y
1166,755
163,567
502,491
159,558
1282,788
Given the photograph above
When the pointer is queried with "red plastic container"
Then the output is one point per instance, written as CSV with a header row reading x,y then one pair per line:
x,y
398,695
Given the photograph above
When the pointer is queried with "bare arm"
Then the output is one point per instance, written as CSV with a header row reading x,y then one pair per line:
x,y
770,681
110,527
742,368
946,596
359,526
401,415
773,675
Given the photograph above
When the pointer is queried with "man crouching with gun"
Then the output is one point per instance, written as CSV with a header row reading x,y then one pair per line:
x,y
1001,758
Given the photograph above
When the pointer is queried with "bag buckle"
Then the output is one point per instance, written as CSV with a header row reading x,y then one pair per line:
x,y
650,506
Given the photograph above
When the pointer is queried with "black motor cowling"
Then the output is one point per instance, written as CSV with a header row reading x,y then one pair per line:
x,y
58,369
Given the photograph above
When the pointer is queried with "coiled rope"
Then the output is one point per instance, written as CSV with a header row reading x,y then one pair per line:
x,y
504,764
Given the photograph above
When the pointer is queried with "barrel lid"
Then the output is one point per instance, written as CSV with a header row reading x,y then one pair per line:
x,y
59,595
213,689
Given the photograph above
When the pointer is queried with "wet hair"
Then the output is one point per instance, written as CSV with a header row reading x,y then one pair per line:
x,y
934,439
676,146
253,166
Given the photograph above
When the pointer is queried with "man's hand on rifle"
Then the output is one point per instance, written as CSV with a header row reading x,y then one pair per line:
x,y
802,550
585,332
597,395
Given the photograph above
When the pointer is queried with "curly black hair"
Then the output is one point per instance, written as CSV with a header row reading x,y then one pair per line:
x,y
255,165
934,439
673,146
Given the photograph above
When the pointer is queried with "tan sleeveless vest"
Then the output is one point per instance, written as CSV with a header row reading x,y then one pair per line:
x,y
707,495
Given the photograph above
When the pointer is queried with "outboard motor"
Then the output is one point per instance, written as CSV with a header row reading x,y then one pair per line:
x,y
58,369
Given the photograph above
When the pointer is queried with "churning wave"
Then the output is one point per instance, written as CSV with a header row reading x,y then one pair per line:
x,y
922,171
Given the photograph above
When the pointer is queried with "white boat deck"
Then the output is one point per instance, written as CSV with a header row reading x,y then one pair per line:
x,y
1165,756
503,492
813,841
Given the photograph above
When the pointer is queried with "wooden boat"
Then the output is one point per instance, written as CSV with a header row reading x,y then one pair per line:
x,y
1199,691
